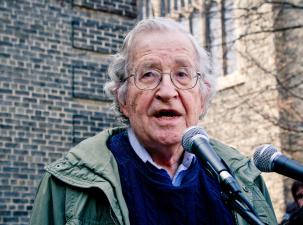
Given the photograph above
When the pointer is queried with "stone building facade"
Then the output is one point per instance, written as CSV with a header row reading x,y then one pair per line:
x,y
255,46
53,61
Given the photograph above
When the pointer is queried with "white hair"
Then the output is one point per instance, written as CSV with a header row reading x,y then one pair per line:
x,y
118,69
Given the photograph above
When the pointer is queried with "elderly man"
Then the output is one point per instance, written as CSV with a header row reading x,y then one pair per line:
x,y
162,84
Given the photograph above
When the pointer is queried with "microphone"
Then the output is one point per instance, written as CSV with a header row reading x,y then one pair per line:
x,y
268,159
195,140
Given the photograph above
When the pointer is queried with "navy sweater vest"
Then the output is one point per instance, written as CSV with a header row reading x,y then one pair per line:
x,y
153,200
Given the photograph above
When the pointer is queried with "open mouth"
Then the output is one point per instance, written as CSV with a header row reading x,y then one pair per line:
x,y
167,113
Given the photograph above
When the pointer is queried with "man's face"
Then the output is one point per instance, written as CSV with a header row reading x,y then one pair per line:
x,y
160,116
299,197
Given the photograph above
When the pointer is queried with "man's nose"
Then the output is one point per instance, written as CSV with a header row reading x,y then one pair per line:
x,y
166,88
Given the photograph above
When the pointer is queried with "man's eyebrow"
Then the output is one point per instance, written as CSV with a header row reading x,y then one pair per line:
x,y
183,61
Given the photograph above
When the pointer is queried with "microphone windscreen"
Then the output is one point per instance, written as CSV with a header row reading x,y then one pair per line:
x,y
264,156
187,140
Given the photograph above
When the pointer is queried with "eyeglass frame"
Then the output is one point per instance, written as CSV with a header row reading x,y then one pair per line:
x,y
197,76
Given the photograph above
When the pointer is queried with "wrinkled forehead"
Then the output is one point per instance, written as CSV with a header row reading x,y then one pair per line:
x,y
156,62
162,46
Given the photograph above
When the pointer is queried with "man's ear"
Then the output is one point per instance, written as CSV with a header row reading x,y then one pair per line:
x,y
204,99
124,109
122,104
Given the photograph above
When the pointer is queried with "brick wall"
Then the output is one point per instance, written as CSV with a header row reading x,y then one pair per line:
x,y
53,61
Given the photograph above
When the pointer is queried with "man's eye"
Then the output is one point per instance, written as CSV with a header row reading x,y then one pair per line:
x,y
148,75
182,75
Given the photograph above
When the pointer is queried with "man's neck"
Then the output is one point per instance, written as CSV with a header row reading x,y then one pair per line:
x,y
165,157
168,160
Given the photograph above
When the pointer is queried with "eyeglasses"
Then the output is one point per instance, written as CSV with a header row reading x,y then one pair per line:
x,y
182,78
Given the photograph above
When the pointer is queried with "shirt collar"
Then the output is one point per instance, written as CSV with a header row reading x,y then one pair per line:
x,y
145,156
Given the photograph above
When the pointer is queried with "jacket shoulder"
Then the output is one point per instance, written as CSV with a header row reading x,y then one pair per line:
x,y
51,192
250,180
237,162
58,203
91,165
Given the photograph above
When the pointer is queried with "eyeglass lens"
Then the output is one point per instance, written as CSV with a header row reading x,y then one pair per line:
x,y
182,78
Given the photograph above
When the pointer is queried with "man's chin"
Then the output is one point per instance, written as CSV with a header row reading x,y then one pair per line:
x,y
167,137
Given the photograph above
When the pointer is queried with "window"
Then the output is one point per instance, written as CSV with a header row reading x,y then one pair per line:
x,y
229,53
145,9
220,35
195,24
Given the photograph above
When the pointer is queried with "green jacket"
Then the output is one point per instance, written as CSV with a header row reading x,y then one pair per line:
x,y
84,187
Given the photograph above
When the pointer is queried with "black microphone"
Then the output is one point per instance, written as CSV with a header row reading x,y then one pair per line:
x,y
195,140
268,159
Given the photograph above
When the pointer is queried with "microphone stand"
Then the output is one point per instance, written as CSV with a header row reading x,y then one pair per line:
x,y
240,204
245,212
231,193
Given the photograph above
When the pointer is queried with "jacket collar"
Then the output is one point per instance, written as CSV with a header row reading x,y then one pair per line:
x,y
91,164
91,159
237,163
